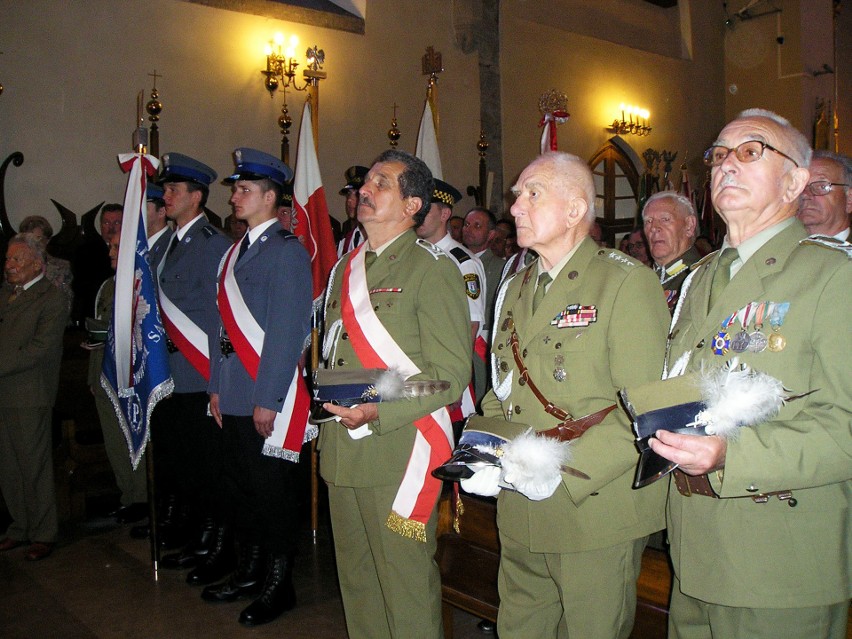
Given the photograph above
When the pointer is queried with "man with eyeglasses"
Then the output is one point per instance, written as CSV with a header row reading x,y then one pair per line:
x,y
826,202
759,522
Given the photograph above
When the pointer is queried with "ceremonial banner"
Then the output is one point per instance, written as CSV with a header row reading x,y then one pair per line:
x,y
312,225
427,142
136,366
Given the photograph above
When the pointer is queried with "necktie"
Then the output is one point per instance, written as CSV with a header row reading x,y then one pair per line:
x,y
723,273
175,241
15,293
541,288
369,258
243,247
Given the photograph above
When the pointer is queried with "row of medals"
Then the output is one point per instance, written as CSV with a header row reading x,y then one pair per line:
x,y
754,342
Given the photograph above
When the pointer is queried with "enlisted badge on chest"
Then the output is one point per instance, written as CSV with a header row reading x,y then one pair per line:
x,y
559,372
575,316
471,282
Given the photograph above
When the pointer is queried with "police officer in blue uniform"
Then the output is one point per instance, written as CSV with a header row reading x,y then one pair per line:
x,y
266,283
187,441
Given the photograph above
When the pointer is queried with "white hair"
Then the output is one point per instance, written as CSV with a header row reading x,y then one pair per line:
x,y
801,148
683,204
572,173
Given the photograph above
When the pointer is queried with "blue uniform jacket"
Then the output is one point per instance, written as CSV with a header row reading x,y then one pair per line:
x,y
274,277
188,279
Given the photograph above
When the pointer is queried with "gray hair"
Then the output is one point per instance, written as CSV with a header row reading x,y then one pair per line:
x,y
31,242
572,174
844,161
683,204
801,148
32,222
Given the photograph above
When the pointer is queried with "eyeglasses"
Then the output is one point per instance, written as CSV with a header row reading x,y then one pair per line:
x,y
823,187
749,151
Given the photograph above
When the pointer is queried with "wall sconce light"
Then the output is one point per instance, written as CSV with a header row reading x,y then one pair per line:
x,y
636,124
281,65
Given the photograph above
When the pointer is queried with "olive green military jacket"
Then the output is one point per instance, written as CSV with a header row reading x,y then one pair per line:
x,y
419,296
733,551
581,369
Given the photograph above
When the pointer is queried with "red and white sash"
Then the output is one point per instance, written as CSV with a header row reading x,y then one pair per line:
x,y
189,337
247,337
433,444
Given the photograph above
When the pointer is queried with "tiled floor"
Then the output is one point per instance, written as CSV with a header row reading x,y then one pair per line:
x,y
98,583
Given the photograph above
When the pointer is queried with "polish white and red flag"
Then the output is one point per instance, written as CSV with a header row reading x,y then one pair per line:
x,y
312,225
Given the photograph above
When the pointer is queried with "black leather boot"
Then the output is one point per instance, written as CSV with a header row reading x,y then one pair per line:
x,y
218,563
195,551
246,581
172,527
278,594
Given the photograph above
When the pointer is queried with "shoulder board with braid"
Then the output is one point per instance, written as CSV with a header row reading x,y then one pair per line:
x,y
460,254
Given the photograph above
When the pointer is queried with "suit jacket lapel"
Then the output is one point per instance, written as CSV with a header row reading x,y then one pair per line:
x,y
257,246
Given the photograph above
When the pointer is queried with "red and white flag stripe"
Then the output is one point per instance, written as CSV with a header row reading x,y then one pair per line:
x,y
247,338
375,347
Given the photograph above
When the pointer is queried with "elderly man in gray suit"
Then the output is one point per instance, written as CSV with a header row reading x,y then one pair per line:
x,y
32,316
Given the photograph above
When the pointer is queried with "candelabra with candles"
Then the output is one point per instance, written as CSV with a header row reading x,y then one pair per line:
x,y
280,73
639,126
281,65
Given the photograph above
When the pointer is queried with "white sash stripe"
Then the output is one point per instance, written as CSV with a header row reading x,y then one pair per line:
x,y
189,329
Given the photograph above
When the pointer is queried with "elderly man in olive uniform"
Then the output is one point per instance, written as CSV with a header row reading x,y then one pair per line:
x,y
571,329
762,547
33,316
396,302
670,222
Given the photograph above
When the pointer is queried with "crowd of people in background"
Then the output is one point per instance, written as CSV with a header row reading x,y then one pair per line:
x,y
533,321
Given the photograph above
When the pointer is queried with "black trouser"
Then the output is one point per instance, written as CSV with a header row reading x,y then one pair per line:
x,y
188,452
261,492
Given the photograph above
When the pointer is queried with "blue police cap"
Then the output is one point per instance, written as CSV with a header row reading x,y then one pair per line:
x,y
252,164
152,191
176,167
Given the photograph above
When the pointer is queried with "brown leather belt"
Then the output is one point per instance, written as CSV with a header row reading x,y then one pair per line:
x,y
569,428
688,485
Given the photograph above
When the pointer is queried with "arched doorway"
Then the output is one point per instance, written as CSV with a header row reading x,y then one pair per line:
x,y
615,167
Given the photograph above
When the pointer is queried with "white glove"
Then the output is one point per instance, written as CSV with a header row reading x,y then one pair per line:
x,y
533,464
485,482
535,490
359,433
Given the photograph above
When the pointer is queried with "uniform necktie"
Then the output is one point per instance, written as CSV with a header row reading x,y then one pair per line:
x,y
369,258
175,241
16,292
243,247
541,288
723,273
